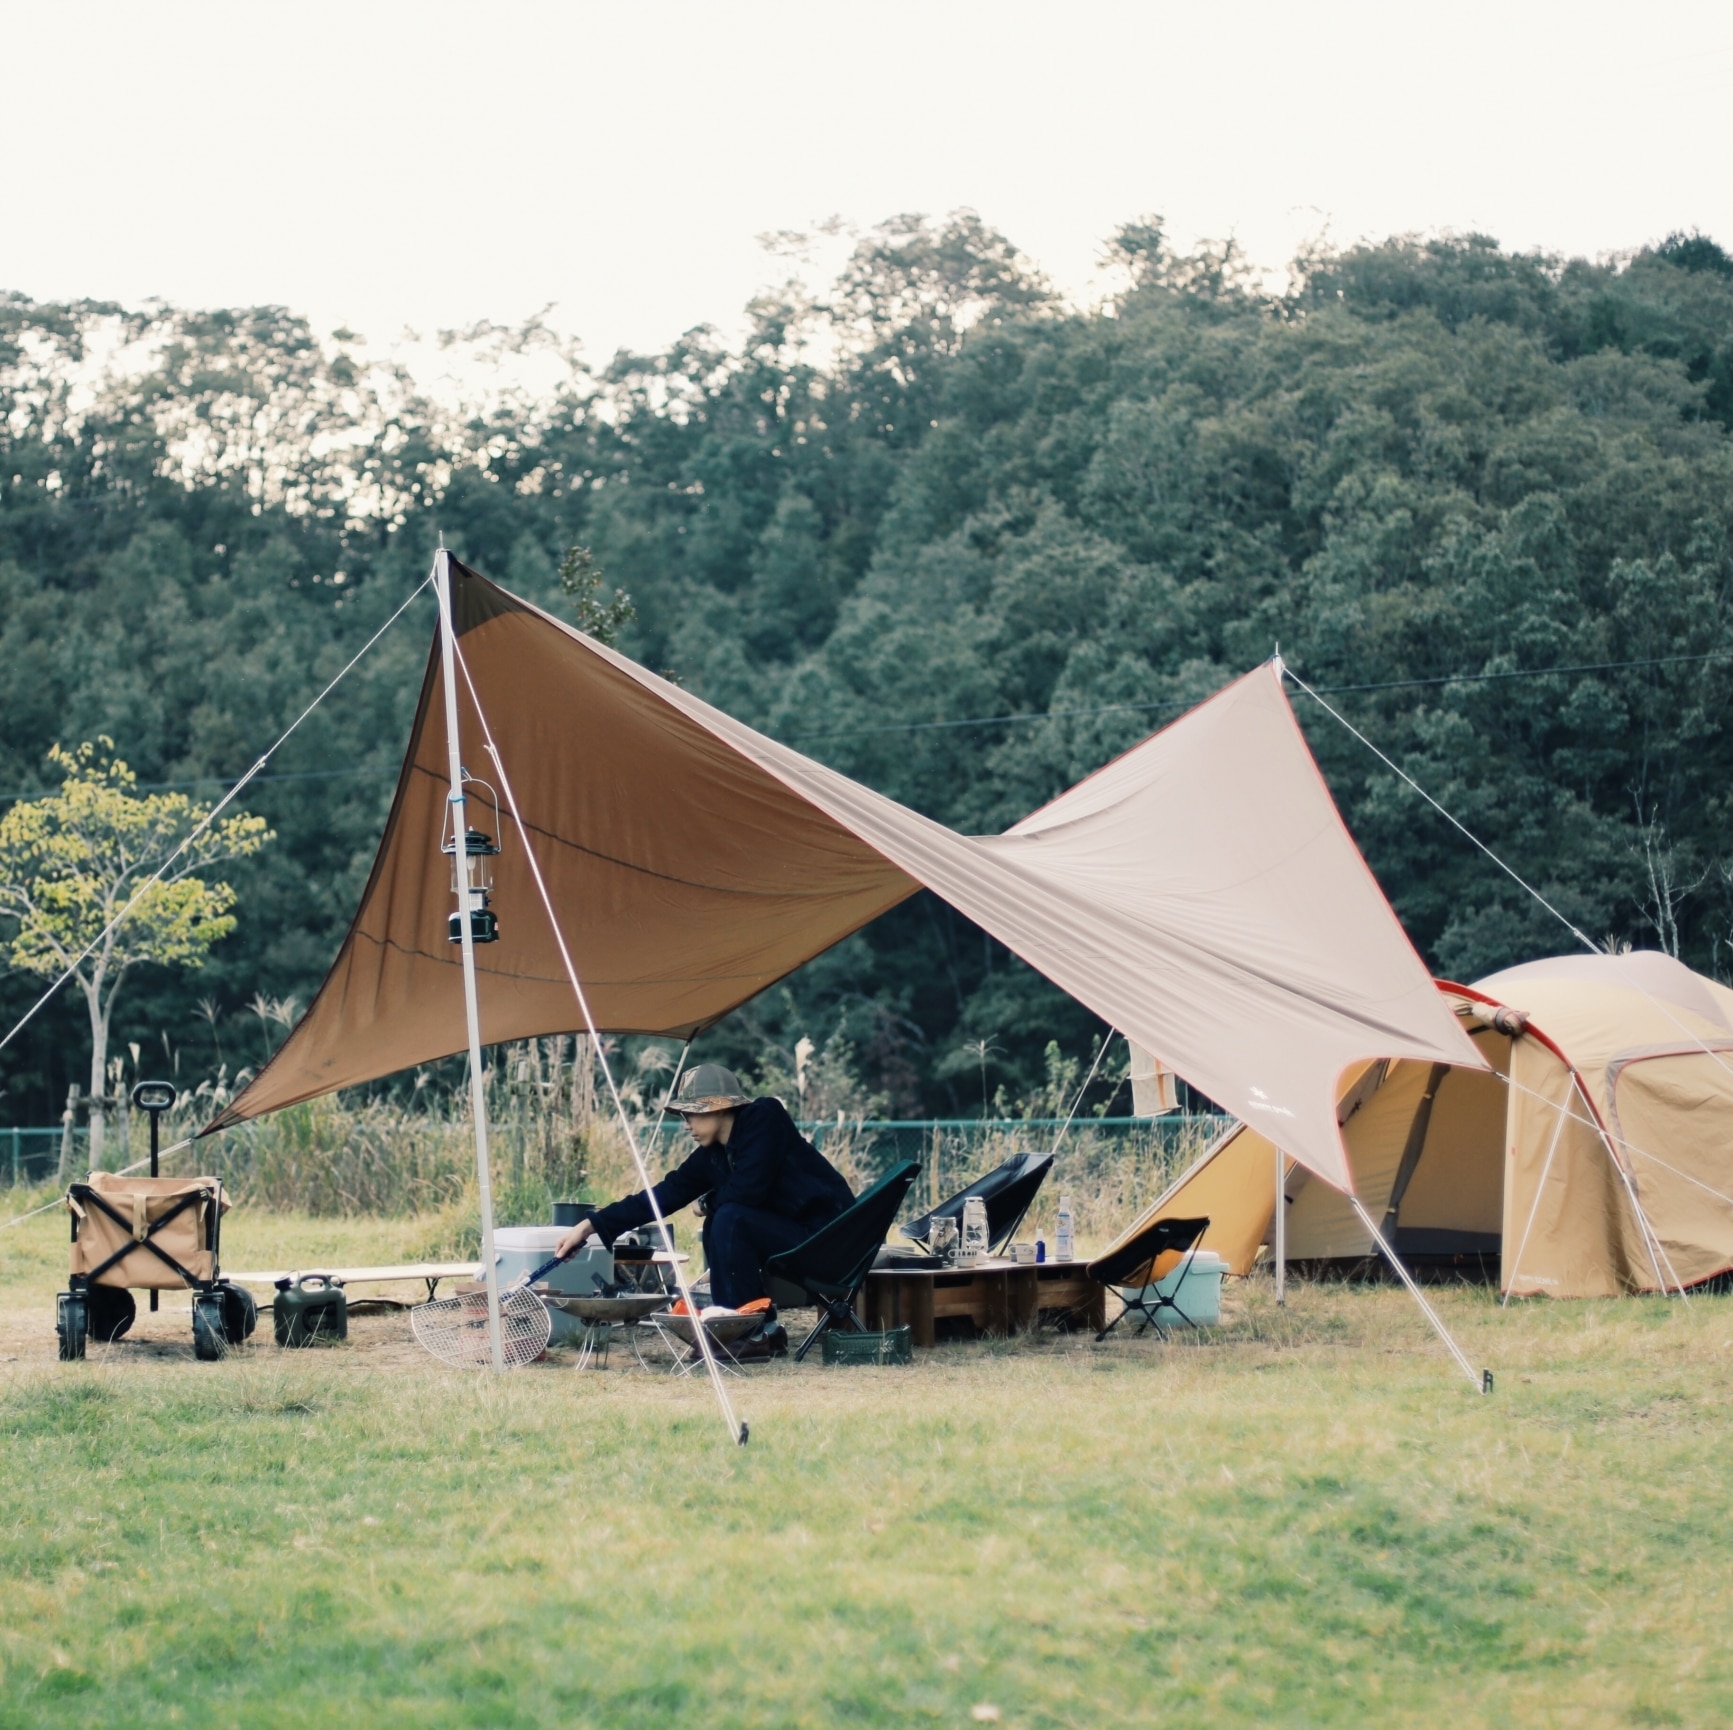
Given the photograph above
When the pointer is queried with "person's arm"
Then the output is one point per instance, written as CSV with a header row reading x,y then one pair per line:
x,y
680,1188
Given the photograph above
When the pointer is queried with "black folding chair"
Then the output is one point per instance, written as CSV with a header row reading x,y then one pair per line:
x,y
831,1266
1008,1190
1132,1267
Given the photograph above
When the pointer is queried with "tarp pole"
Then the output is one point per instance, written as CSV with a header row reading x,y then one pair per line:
x,y
1651,1241
472,1010
1481,1383
673,1093
1280,1235
737,1430
1508,1275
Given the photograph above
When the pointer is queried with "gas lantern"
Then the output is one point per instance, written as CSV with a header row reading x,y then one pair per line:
x,y
472,855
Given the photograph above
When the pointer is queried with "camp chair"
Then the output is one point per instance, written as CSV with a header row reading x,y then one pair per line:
x,y
1132,1267
1007,1190
831,1266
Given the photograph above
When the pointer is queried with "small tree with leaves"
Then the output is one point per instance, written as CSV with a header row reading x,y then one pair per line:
x,y
70,864
598,617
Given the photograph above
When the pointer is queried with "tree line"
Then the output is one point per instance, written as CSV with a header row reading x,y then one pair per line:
x,y
953,536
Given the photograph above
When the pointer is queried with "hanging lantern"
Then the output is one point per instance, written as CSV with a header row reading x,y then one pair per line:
x,y
472,882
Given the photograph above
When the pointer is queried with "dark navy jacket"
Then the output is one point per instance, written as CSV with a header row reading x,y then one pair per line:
x,y
767,1163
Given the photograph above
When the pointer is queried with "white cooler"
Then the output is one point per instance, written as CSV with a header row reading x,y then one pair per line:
x,y
521,1249
1198,1296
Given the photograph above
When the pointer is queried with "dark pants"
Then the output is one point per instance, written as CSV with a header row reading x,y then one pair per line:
x,y
738,1241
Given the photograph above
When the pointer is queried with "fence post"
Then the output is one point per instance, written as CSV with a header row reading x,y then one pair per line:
x,y
68,1131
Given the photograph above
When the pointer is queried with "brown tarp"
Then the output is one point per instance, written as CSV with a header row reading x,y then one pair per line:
x,y
1200,893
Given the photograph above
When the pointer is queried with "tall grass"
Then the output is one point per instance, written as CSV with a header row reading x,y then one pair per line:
x,y
1110,1174
556,1137
354,1154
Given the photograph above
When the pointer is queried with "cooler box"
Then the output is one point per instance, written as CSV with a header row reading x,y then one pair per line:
x,y
521,1249
1198,1297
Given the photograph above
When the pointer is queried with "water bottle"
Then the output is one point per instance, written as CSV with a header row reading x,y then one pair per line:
x,y
1062,1238
974,1247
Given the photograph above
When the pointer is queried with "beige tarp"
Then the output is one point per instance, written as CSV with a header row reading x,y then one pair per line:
x,y
1623,1085
1200,893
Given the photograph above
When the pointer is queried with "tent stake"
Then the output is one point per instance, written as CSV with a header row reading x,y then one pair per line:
x,y
1280,1234
471,1008
1482,1384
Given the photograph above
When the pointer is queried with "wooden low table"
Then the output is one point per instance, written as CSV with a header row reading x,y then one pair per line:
x,y
998,1297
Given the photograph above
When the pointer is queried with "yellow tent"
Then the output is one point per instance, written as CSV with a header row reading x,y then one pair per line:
x,y
1593,1157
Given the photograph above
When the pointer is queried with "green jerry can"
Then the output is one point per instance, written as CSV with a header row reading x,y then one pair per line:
x,y
311,1309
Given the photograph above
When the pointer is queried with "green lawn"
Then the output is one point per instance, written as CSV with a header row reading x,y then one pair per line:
x,y
1307,1519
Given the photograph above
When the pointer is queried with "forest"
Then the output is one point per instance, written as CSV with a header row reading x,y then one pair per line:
x,y
952,535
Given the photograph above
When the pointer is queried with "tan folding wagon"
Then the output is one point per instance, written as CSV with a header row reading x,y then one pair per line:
x,y
149,1234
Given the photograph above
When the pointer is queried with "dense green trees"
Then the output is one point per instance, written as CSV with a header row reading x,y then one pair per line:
x,y
961,541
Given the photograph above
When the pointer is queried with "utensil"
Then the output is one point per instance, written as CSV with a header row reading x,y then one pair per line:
x,y
455,1329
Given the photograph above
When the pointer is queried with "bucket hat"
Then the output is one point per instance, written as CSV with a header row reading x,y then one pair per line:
x,y
706,1087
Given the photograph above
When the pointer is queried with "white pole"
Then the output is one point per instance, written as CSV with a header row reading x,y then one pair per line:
x,y
1280,1235
737,1431
471,1008
1482,1383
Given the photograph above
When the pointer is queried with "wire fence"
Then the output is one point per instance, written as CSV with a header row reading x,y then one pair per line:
x,y
378,1160
1111,1167
29,1157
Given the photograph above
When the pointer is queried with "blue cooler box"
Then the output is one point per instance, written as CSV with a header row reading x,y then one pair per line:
x,y
1198,1297
521,1249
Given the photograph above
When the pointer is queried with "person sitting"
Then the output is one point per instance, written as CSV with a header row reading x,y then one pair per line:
x,y
767,1187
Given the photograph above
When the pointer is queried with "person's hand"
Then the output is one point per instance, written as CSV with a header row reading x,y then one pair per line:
x,y
576,1238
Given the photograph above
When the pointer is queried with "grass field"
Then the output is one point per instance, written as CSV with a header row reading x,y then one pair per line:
x,y
1306,1519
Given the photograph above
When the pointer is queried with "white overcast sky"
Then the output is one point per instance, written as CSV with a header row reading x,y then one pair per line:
x,y
427,165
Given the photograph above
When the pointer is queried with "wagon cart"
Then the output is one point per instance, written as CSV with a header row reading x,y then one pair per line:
x,y
149,1234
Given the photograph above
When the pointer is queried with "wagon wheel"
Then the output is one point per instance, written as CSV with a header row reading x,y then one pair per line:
x,y
111,1310
208,1341
240,1313
72,1324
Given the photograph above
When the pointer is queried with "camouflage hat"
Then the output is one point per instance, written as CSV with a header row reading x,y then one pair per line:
x,y
707,1087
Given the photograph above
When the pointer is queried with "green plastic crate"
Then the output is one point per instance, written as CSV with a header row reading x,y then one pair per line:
x,y
895,1347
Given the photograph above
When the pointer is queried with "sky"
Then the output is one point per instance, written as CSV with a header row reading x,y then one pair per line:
x,y
392,166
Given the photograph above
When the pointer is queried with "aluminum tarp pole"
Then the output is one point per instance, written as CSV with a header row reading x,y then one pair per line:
x,y
471,1008
738,1432
1280,1235
1482,1383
